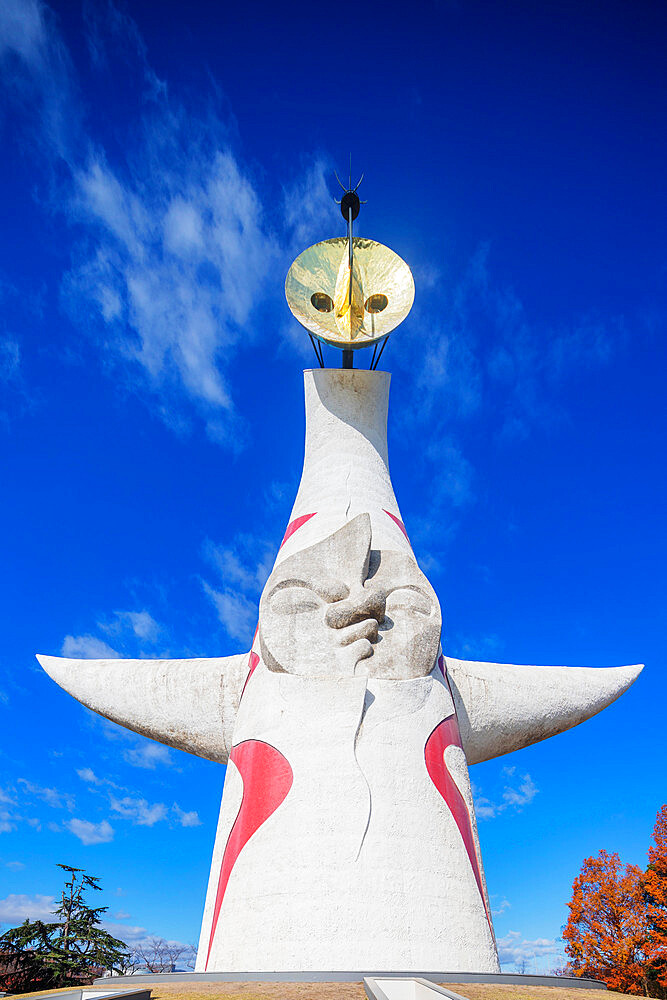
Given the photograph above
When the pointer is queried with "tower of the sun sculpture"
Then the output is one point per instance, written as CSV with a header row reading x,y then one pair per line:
x,y
347,836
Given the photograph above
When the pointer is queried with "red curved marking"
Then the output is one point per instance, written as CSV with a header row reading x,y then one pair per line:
x,y
267,778
398,521
295,525
252,661
446,734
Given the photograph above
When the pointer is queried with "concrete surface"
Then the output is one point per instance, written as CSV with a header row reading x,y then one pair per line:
x,y
347,834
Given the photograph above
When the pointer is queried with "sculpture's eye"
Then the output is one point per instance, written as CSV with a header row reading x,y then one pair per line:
x,y
376,303
407,599
294,601
323,302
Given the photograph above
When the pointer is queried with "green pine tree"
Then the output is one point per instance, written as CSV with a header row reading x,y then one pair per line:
x,y
70,950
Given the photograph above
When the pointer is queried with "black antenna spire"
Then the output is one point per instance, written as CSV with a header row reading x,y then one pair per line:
x,y
350,199
350,204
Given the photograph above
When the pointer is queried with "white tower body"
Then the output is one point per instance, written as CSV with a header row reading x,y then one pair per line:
x,y
347,838
362,864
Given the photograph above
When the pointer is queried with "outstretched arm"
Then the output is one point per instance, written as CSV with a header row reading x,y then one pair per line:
x,y
503,707
187,704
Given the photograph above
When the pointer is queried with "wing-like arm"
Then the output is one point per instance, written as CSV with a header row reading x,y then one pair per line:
x,y
502,707
187,704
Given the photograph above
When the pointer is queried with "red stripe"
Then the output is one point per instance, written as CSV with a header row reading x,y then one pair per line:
x,y
446,734
398,521
295,525
267,778
253,661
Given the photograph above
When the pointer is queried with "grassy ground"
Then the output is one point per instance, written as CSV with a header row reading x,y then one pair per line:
x,y
355,991
349,991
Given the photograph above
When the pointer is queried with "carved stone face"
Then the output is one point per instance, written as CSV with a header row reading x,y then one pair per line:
x,y
340,608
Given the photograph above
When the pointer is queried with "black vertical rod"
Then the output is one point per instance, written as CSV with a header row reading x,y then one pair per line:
x,y
348,357
384,344
350,250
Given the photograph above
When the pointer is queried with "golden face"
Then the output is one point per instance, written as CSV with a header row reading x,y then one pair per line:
x,y
318,291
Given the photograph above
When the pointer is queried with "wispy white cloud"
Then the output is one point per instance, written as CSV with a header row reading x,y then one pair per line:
x,y
148,755
15,394
243,568
23,32
143,753
87,774
113,37
485,362
484,807
51,796
15,866
519,791
38,75
139,811
153,946
493,352
131,631
452,481
139,624
87,647
10,359
526,365
8,817
176,259
514,949
15,803
16,908
136,808
237,614
174,253
522,795
91,833
185,818
277,492
309,212
125,932
497,909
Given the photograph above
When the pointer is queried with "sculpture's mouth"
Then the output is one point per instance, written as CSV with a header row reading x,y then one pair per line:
x,y
368,629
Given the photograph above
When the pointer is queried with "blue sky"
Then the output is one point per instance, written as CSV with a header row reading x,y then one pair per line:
x,y
162,165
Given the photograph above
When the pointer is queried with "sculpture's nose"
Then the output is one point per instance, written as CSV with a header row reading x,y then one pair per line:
x,y
360,605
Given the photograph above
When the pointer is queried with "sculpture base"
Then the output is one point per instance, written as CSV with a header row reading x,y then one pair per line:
x,y
492,978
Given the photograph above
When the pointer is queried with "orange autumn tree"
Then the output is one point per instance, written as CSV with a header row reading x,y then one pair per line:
x,y
607,930
655,899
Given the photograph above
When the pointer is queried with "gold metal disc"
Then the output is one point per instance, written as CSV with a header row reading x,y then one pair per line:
x,y
318,293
